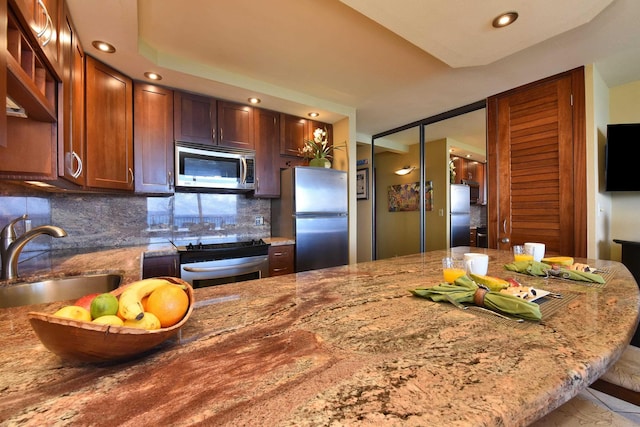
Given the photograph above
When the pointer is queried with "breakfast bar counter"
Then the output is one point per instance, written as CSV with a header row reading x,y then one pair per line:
x,y
336,347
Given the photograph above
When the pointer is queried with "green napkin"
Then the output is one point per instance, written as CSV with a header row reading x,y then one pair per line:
x,y
463,289
541,269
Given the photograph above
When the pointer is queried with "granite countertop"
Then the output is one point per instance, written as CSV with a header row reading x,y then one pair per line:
x,y
341,346
126,261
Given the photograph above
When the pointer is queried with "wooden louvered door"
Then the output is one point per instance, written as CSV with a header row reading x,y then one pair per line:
x,y
537,164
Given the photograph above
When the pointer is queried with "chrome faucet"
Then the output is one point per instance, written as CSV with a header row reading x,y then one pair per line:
x,y
11,246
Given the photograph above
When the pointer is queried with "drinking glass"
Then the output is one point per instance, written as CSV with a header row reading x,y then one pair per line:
x,y
522,253
452,269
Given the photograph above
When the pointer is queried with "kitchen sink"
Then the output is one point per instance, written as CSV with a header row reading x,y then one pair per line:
x,y
59,289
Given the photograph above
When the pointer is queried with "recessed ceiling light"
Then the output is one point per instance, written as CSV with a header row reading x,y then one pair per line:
x,y
103,46
254,100
314,114
153,76
468,156
505,19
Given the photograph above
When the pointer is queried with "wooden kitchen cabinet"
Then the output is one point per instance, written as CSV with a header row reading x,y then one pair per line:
x,y
281,260
41,18
161,266
3,74
153,139
267,137
203,120
235,125
473,237
71,143
194,118
109,127
295,130
29,148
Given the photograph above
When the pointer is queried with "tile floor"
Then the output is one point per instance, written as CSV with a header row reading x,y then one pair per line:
x,y
622,408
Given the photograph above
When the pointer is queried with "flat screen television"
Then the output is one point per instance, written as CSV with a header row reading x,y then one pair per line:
x,y
622,157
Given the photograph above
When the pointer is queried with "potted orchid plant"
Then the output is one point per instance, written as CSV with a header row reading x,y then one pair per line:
x,y
318,150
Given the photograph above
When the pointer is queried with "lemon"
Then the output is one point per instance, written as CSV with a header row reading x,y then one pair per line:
x,y
74,312
103,305
109,319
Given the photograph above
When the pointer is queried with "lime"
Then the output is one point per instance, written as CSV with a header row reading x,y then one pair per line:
x,y
103,305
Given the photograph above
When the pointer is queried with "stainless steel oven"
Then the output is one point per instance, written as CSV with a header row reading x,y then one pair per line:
x,y
216,264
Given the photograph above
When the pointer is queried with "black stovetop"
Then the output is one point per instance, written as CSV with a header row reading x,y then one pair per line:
x,y
202,251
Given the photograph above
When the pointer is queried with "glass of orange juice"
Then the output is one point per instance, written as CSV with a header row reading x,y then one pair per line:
x,y
522,253
452,269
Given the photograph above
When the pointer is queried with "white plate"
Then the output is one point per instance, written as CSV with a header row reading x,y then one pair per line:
x,y
526,295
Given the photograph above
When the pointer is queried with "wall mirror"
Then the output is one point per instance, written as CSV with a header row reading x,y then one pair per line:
x,y
412,212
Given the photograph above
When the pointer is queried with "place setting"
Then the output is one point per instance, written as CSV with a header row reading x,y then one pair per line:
x,y
505,300
529,259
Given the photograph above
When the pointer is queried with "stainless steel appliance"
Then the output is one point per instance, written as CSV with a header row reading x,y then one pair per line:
x,y
204,264
312,210
202,167
460,215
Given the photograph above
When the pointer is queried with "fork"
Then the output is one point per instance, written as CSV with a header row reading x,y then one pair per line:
x,y
515,319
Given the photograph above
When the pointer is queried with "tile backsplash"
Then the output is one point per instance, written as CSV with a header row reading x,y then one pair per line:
x,y
99,220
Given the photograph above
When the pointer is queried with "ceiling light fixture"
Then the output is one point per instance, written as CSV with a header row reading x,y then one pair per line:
x,y
103,46
153,76
313,114
405,170
504,19
254,100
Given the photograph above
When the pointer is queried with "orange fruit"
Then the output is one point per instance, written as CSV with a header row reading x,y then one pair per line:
x,y
169,303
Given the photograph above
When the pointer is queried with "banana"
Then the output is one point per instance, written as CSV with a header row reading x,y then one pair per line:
x,y
149,322
558,260
130,305
493,283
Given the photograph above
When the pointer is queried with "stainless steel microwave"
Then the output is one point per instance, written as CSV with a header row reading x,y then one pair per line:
x,y
213,168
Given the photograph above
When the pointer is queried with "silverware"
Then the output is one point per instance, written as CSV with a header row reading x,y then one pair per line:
x,y
456,303
515,319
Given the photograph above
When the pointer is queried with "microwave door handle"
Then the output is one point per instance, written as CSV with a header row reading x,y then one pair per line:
x,y
243,170
222,268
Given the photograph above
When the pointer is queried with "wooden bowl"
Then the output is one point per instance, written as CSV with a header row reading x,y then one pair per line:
x,y
93,342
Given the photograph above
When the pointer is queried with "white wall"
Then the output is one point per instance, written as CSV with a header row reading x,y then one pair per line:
x,y
624,107
598,202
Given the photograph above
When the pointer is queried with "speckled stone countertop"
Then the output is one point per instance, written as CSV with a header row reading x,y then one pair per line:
x,y
335,347
126,261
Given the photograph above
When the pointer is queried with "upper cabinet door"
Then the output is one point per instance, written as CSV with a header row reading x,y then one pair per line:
x,y
72,153
194,118
267,132
109,107
235,125
293,132
42,18
153,138
3,73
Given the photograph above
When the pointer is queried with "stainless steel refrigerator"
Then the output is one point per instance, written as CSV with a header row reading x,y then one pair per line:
x,y
312,209
460,215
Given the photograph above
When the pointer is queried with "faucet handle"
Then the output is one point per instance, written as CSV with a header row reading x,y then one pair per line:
x,y
9,232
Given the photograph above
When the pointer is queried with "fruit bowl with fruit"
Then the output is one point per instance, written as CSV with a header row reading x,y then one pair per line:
x,y
117,325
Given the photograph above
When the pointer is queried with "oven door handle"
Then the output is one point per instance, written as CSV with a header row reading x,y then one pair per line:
x,y
225,267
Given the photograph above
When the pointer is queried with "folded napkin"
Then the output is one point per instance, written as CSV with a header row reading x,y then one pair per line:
x,y
541,269
465,290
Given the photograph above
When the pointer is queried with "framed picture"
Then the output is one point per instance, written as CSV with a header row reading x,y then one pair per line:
x,y
362,184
